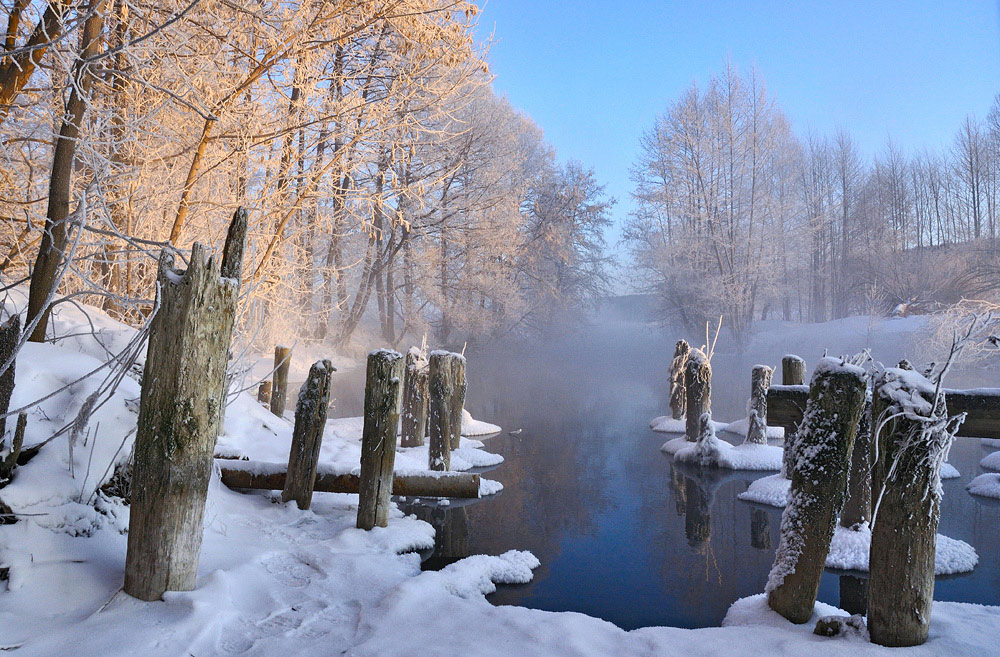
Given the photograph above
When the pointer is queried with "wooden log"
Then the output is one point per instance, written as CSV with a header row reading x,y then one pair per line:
x,y
279,387
793,371
264,392
441,391
383,387
819,478
858,507
678,393
178,421
307,436
414,413
457,405
912,434
698,389
271,476
10,335
760,381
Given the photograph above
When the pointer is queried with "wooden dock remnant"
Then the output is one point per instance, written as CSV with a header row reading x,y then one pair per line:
x,y
383,388
678,393
279,387
760,381
698,391
442,394
307,436
413,422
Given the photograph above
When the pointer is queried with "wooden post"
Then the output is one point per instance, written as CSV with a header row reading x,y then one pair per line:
x,y
279,389
911,448
178,417
10,335
698,389
457,405
819,477
414,413
760,381
678,393
793,371
264,392
858,507
441,388
383,385
307,436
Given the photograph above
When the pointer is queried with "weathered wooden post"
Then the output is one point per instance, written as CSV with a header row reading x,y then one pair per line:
x,y
678,394
264,392
819,478
414,413
457,405
441,388
307,436
760,381
698,390
858,507
912,432
383,388
793,371
10,335
279,388
179,414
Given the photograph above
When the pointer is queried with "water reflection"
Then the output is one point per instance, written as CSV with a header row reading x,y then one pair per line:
x,y
854,594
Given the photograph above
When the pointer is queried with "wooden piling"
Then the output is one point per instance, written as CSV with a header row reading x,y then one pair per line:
x,y
178,417
819,477
441,390
760,381
678,393
264,392
279,387
307,436
698,391
10,335
457,405
793,371
383,388
414,413
858,507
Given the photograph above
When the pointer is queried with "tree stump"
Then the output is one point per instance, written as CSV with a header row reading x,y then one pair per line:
x,y
698,390
178,417
442,391
279,386
760,381
793,371
10,335
678,393
414,413
307,436
457,405
911,447
819,478
858,507
383,388
264,392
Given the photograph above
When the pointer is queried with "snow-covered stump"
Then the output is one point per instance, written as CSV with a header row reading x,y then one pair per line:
x,y
264,393
793,371
279,386
459,388
912,434
819,478
760,381
178,416
307,436
414,413
10,335
858,507
383,386
678,393
441,387
698,391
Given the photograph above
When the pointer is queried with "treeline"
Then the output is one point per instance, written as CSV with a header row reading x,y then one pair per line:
x,y
738,216
384,178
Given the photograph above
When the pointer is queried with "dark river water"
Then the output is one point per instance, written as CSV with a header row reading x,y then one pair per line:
x,y
621,532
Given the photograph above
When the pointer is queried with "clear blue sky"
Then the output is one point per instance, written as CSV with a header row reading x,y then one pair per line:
x,y
594,74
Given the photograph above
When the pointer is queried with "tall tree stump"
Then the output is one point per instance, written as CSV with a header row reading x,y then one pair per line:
x,y
441,387
383,388
678,393
858,507
182,387
819,478
307,436
911,446
10,335
793,371
279,386
760,381
459,388
698,390
414,414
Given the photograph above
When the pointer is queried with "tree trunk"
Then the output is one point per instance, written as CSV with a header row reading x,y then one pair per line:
x,y
414,420
760,381
678,393
307,436
442,392
279,387
698,390
819,478
383,386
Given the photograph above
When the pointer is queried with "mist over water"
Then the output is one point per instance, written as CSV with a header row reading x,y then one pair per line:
x,y
621,532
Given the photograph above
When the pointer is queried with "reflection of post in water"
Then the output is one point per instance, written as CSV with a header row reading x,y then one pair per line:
x,y
451,533
677,488
697,516
854,594
760,529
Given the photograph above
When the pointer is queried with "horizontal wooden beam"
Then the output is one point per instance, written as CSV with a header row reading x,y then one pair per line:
x,y
271,476
982,407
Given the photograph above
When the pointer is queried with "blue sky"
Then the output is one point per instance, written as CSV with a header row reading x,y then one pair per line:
x,y
594,75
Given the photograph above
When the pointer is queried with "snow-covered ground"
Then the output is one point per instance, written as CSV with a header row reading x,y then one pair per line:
x,y
849,551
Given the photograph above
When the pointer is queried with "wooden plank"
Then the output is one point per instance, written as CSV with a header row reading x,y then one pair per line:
x,y
271,476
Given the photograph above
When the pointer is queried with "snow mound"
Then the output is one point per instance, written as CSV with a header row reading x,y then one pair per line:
x,y
991,462
849,550
740,428
474,427
674,445
479,574
753,611
987,485
721,454
489,487
948,471
771,490
667,424
990,442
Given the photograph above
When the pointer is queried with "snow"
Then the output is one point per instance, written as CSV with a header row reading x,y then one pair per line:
x,y
667,424
771,490
987,485
850,547
474,427
721,454
991,462
740,428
